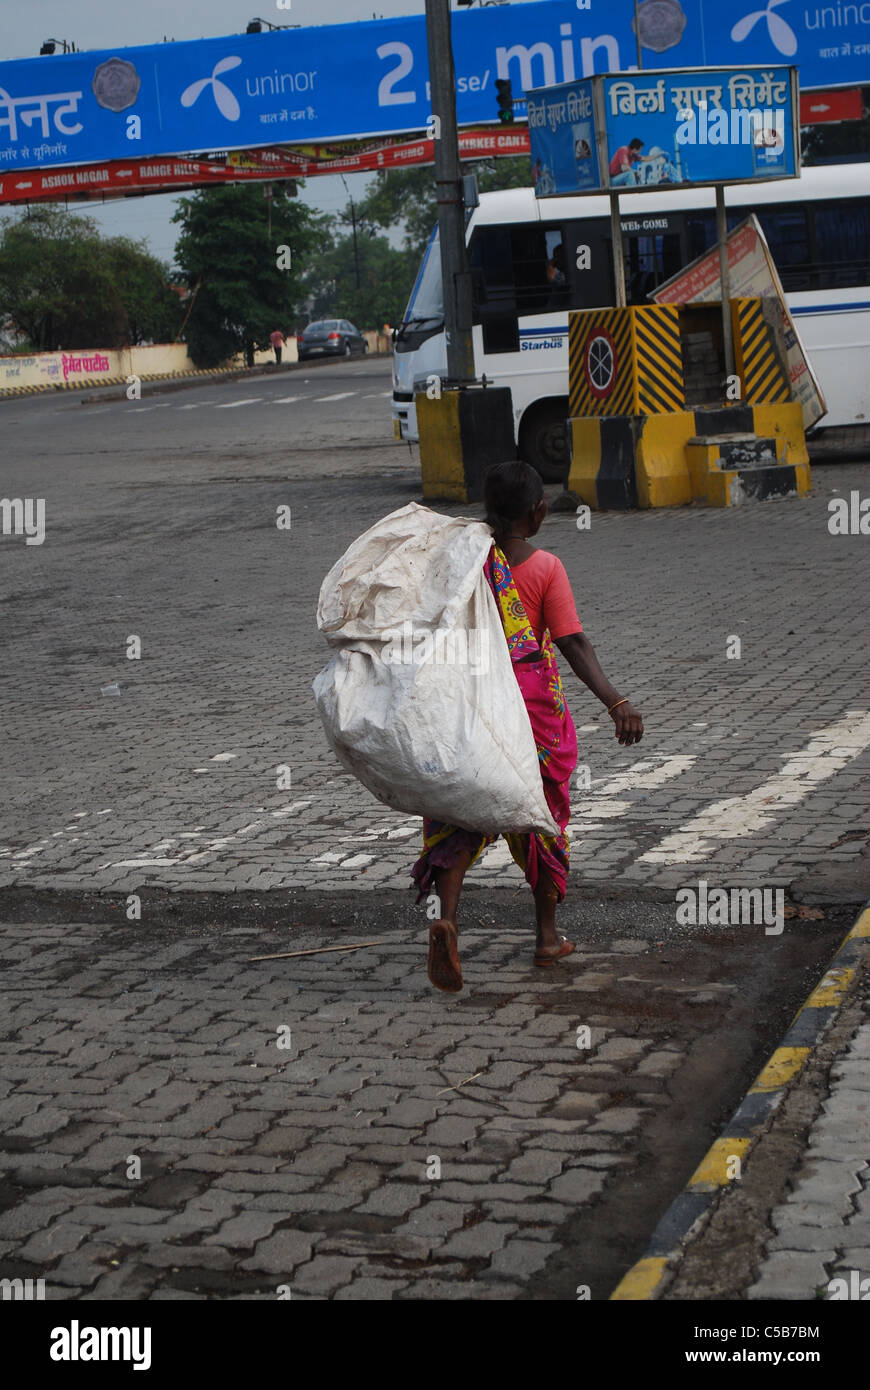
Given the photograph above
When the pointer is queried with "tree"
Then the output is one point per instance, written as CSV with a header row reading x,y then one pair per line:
x,y
63,285
152,308
383,281
55,288
407,196
229,251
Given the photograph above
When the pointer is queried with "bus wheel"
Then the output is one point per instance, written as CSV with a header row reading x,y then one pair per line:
x,y
544,440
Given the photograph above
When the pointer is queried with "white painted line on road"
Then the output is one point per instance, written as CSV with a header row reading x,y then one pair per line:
x,y
339,396
138,408
198,405
644,776
288,400
231,405
223,757
735,818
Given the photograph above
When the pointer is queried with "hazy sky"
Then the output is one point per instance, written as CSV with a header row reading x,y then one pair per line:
x,y
25,24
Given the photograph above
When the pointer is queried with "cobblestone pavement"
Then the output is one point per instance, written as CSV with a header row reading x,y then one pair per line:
x,y
798,1220
312,1166
754,768
823,1228
180,1121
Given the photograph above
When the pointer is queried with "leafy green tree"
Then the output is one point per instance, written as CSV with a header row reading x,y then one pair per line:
x,y
406,197
56,289
229,251
63,285
382,291
152,308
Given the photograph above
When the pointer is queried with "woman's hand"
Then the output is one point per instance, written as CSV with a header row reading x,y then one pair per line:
x,y
629,724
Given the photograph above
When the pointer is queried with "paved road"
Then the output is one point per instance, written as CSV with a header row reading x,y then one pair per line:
x,y
158,1037
161,525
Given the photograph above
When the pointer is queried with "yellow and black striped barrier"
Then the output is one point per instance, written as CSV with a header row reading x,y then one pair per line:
x,y
758,362
634,440
462,430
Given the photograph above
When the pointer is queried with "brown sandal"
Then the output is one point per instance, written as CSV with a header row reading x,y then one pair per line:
x,y
565,948
445,971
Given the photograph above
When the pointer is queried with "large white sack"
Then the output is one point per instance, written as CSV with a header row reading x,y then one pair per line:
x,y
447,738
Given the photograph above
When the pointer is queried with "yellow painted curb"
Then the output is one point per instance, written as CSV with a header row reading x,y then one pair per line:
x,y
783,1066
862,926
712,1171
641,1280
832,988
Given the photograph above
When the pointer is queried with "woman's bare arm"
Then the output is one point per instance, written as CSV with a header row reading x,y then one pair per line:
x,y
579,652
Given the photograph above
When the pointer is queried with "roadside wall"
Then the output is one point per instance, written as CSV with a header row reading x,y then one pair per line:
x,y
42,371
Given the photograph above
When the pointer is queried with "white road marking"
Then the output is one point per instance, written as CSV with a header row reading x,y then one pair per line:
x,y
737,817
138,408
644,776
197,406
340,396
223,757
231,405
287,400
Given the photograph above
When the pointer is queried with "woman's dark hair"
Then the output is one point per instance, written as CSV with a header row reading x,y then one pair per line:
x,y
510,491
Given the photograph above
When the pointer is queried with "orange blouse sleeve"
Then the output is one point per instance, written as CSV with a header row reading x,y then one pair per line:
x,y
559,608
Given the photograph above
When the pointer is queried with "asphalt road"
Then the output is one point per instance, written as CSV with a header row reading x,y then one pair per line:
x,y
160,524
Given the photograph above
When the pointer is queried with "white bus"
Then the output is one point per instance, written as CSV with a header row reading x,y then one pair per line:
x,y
818,229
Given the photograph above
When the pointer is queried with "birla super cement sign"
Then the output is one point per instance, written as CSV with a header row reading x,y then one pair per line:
x,y
371,77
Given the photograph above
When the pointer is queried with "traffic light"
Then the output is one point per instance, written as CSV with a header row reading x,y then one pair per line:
x,y
505,100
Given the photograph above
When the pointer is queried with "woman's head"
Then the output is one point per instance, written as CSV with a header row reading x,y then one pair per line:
x,y
513,495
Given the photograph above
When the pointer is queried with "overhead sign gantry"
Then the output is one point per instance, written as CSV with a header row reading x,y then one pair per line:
x,y
372,77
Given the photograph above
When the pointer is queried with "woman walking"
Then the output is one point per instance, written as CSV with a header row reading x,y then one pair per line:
x,y
537,608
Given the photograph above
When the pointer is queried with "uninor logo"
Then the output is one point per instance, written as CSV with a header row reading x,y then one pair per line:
x,y
225,99
781,35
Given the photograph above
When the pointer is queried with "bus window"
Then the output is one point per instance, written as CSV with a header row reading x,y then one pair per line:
x,y
648,261
589,264
559,296
701,230
842,244
785,229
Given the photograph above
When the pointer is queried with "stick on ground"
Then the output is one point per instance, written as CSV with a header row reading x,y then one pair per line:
x,y
316,951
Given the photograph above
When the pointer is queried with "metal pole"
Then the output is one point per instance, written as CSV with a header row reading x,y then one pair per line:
x,y
604,182
637,38
618,252
724,279
455,273
355,245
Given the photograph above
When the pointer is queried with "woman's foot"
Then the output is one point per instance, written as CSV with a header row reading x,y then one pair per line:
x,y
445,971
548,954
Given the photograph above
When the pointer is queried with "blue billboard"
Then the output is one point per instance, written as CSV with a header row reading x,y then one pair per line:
x,y
563,138
649,129
371,77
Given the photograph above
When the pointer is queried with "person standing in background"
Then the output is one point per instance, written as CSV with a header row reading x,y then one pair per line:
x,y
277,341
